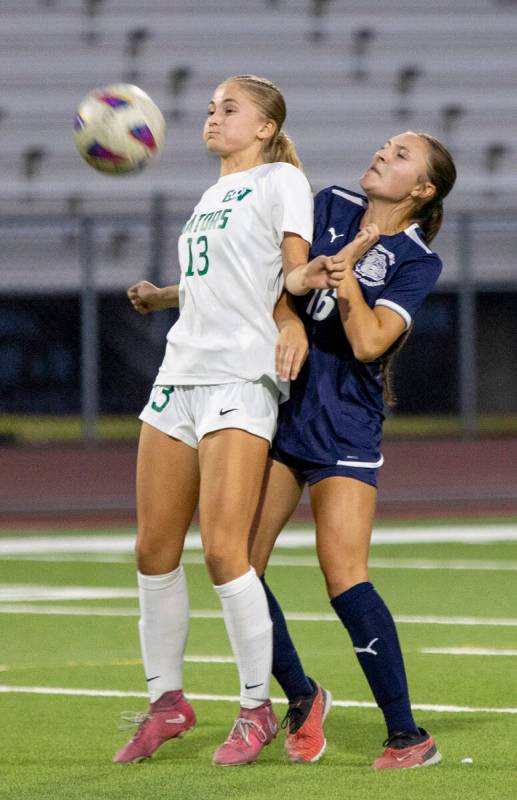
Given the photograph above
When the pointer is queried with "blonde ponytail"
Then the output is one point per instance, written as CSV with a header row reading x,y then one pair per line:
x,y
282,148
269,100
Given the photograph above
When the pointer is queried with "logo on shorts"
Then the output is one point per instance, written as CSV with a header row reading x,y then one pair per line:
x,y
222,413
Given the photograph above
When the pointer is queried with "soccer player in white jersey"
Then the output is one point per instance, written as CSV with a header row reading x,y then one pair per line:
x,y
212,412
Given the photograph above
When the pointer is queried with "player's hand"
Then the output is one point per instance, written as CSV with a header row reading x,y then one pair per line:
x,y
323,272
358,247
292,348
144,297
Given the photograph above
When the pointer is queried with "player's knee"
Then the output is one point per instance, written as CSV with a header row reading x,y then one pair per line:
x,y
339,579
153,556
218,563
224,561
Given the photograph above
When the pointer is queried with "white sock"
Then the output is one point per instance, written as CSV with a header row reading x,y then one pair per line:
x,y
250,630
163,628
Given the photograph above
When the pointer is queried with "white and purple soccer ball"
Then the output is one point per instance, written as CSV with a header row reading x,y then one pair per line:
x,y
118,129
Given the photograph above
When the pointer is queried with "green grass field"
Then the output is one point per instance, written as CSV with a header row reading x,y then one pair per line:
x,y
44,428
69,622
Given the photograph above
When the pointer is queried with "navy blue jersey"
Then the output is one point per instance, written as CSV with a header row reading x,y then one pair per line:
x,y
335,411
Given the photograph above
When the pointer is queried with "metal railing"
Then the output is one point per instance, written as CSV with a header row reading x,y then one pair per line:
x,y
92,253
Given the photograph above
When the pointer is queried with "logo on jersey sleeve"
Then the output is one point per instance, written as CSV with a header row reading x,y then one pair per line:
x,y
236,194
372,268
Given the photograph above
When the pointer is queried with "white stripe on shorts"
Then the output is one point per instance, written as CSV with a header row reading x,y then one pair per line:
x,y
362,464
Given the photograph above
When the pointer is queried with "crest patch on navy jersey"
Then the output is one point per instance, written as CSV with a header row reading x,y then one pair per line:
x,y
371,269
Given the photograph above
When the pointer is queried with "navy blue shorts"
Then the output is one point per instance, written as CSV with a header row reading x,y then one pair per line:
x,y
312,472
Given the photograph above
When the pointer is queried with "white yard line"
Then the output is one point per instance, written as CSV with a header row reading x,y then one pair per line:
x,y
23,592
439,564
227,698
466,651
130,662
292,616
434,620
68,611
466,565
74,558
290,538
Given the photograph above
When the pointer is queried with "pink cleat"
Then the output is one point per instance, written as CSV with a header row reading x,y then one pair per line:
x,y
168,717
405,750
305,741
251,731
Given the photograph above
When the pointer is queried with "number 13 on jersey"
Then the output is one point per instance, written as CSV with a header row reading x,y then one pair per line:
x,y
197,256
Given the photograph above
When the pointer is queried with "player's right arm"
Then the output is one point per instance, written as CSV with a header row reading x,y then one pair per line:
x,y
300,275
292,346
146,297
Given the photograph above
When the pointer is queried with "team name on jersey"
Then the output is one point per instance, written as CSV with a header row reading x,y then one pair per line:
x,y
207,222
236,194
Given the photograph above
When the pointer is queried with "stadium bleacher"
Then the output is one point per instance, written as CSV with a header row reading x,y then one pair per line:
x,y
353,73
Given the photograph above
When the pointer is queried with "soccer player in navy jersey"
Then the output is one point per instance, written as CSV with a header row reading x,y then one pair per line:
x,y
329,431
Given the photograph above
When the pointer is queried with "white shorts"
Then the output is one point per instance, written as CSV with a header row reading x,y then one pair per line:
x,y
190,412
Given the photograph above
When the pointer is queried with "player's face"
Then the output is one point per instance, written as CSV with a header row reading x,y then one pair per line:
x,y
399,170
233,123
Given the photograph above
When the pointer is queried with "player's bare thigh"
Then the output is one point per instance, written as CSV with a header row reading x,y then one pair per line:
x,y
232,464
281,492
343,510
167,490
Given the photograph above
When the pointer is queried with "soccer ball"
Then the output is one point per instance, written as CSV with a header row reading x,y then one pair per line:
x,y
118,129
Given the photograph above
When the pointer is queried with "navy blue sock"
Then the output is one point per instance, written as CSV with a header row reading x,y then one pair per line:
x,y
287,667
374,636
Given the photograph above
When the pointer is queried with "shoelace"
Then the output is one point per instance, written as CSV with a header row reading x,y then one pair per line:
x,y
401,739
131,719
241,728
293,718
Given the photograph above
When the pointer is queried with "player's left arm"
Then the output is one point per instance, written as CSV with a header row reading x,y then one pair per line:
x,y
292,345
370,331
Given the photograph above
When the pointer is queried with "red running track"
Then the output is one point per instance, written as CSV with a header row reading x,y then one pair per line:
x,y
95,486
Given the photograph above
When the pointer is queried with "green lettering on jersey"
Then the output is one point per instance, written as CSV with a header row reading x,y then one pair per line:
x,y
215,219
243,193
224,218
199,222
236,194
206,222
203,255
189,223
197,261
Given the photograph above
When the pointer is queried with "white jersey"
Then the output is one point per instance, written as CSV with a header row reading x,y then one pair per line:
x,y
231,276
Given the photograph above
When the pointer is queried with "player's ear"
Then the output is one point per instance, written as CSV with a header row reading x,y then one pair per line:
x,y
424,191
266,130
